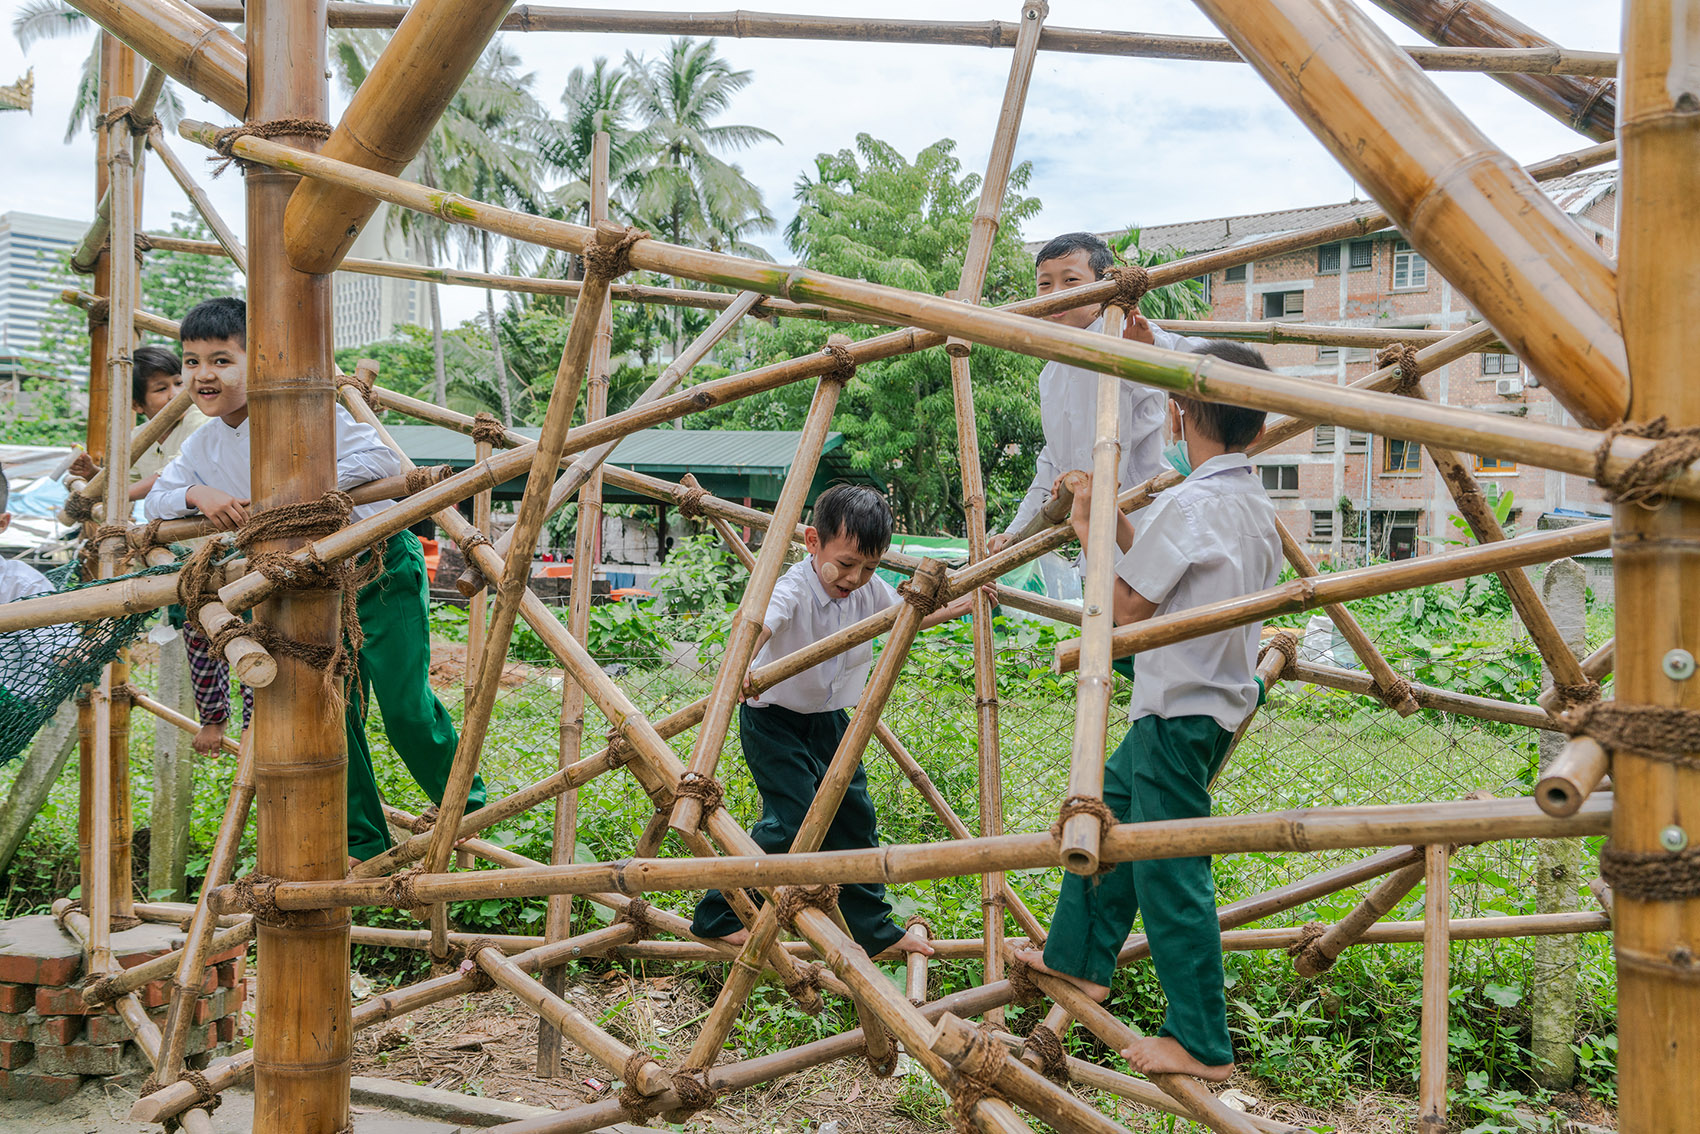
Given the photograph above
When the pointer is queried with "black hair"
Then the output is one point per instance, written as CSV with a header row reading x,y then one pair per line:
x,y
857,511
1098,254
5,491
145,363
210,320
1234,426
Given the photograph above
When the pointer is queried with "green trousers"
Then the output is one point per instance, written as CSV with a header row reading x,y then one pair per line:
x,y
1161,770
394,667
788,753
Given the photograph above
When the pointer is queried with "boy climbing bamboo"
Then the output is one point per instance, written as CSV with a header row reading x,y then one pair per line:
x,y
1208,538
211,476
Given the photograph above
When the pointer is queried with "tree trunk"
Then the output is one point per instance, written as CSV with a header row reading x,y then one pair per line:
x,y
502,390
440,370
42,764
173,779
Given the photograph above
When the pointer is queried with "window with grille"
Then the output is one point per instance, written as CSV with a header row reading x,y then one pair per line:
x,y
1280,478
1410,270
1361,255
1324,442
1322,525
1235,274
1401,456
1283,304
1495,464
1501,364
1327,258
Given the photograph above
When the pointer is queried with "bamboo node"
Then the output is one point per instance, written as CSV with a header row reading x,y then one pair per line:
x,y
690,502
918,599
1022,990
1643,481
633,1101
843,364
1132,282
206,1098
1404,357
225,140
975,1078
1084,805
793,900
1286,644
637,916
705,789
1651,876
1308,957
612,259
1653,732
1047,1047
487,429
690,1084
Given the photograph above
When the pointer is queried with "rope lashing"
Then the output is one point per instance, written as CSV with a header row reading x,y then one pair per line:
x,y
1287,645
361,385
690,501
206,1099
1394,693
1403,356
810,979
487,429
1022,990
257,894
1644,481
620,750
975,1079
918,599
1651,876
424,821
704,789
633,1101
1047,1046
79,508
1308,957
398,888
637,916
1083,805
1132,282
843,366
611,259
478,980
1570,696
1653,732
224,142
886,1066
793,900
690,1084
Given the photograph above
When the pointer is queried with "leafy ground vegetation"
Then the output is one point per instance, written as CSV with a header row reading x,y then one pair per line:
x,y
1338,1051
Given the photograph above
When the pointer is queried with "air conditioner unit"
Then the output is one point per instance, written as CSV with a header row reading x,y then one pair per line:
x,y
1508,387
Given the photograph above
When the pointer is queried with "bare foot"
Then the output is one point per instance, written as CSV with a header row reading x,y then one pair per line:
x,y
352,863
909,943
1157,1055
737,937
1034,959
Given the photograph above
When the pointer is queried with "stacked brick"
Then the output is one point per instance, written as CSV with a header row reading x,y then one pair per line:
x,y
51,1039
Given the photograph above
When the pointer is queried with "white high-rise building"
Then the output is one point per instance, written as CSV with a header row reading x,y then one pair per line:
x,y
366,309
33,270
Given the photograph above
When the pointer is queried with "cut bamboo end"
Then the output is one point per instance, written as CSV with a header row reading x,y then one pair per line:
x,y
1082,837
250,661
1572,777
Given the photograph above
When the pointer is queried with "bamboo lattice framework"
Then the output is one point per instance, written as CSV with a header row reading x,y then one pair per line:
x,y
1545,294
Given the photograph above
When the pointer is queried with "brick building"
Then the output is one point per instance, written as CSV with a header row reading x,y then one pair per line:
x,y
1347,492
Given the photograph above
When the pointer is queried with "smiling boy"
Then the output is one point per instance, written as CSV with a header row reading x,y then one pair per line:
x,y
791,730
156,376
211,476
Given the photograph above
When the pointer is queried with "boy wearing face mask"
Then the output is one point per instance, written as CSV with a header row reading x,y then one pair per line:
x,y
1210,537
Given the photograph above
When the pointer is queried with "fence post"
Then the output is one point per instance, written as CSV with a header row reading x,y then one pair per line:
x,y
1558,864
173,777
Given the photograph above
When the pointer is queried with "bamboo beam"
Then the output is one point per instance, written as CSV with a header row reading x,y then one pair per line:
x,y
185,44
1198,376
1656,562
1595,667
1587,105
1437,986
1427,696
228,242
1344,586
979,1059
99,306
747,622
1460,201
1319,955
1574,773
388,120
1306,829
302,1055
1357,338
987,33
95,240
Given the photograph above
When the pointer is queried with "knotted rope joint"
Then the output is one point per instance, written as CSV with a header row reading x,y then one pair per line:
x,y
1645,480
920,600
706,790
1047,1046
1287,645
1083,805
793,900
843,365
487,429
611,259
1403,356
1132,282
224,142
1651,876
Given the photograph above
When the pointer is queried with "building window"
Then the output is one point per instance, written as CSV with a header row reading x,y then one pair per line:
x,y
1328,354
1324,442
1361,255
1495,464
1283,304
1203,283
1327,259
1501,364
1235,274
1322,525
1401,456
1357,441
1280,478
1410,270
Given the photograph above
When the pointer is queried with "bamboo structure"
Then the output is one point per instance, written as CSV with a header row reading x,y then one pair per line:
x,y
1545,294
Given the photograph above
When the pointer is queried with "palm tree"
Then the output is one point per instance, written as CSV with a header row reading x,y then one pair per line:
x,y
37,20
599,99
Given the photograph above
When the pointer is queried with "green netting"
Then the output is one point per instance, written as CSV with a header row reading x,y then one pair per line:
x,y
43,665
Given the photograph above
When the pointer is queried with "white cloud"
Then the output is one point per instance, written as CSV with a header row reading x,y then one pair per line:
x,y
1112,140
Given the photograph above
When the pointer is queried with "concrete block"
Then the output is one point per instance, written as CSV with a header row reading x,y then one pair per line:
x,y
34,950
37,1086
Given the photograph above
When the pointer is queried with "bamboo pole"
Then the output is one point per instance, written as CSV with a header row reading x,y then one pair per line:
x,y
97,800
1202,377
1141,1092
94,242
388,120
228,241
1461,202
1427,696
1385,685
823,808
1587,105
747,622
301,1057
1657,570
1572,776
188,46
100,307
1595,667
372,492
1344,586
1357,338
1431,1078
1319,955
1545,59
144,435
980,1059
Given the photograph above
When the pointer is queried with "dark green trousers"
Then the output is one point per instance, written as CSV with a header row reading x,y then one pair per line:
x,y
394,667
788,754
1161,770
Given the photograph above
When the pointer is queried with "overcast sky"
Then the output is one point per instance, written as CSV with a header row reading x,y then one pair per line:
x,y
1113,141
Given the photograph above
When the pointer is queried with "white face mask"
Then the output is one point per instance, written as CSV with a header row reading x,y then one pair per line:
x,y
1175,452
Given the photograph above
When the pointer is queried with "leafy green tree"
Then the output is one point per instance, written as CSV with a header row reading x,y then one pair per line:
x,y
37,20
871,214
173,282
599,99
1184,300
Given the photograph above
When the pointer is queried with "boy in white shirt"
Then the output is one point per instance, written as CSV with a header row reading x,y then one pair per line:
x,y
1068,395
791,731
156,376
17,579
211,476
1209,538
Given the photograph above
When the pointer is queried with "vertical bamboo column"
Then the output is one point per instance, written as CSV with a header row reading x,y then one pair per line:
x,y
1656,816
558,921
301,1056
746,624
974,262
1082,830
1437,939
478,603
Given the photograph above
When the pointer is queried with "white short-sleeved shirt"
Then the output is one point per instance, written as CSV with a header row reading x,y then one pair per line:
x,y
20,580
801,613
1210,537
217,456
1068,408
27,657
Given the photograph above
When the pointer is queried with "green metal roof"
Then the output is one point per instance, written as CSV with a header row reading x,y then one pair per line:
x,y
731,463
